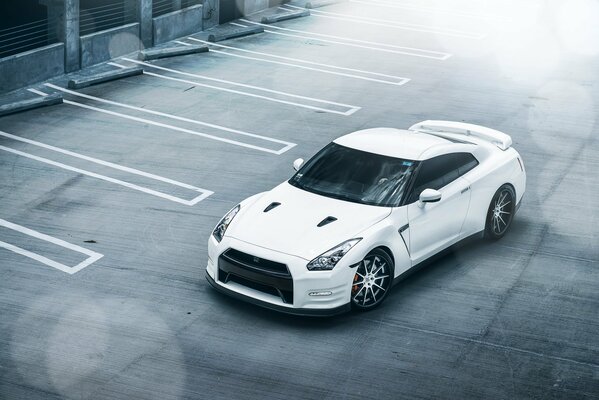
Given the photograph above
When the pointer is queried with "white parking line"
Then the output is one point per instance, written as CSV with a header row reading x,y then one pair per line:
x,y
394,80
389,23
433,10
108,179
204,193
350,109
92,255
410,51
236,24
288,145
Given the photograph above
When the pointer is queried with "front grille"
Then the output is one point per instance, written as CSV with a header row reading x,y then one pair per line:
x,y
256,263
256,273
285,295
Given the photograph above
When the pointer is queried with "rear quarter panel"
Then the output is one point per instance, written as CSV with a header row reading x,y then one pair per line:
x,y
496,168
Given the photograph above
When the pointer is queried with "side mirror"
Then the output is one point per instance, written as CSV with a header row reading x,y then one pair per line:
x,y
429,196
297,164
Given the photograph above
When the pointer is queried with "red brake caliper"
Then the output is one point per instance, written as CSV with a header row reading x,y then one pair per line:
x,y
354,288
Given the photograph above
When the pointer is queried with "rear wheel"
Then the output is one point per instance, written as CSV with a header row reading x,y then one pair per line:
x,y
372,280
501,212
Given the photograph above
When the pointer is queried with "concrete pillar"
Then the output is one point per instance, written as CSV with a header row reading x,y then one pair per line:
x,y
141,11
63,16
210,9
71,35
144,17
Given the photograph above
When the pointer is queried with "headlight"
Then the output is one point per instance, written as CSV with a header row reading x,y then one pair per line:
x,y
222,226
327,260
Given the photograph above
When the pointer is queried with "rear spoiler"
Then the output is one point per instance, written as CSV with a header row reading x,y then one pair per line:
x,y
499,139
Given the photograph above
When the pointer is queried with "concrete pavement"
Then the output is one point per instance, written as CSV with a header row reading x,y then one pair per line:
x,y
513,319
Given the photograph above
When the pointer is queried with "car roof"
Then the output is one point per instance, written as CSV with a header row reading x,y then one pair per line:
x,y
401,143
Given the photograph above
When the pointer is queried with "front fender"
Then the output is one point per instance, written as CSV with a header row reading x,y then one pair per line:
x,y
383,234
244,204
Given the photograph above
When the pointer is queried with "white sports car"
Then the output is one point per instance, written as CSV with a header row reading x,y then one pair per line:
x,y
363,211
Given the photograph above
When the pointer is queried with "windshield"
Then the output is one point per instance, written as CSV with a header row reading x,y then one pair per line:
x,y
354,175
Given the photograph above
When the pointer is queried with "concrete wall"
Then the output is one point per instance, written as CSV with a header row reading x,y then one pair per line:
x,y
30,67
111,43
252,6
178,23
75,52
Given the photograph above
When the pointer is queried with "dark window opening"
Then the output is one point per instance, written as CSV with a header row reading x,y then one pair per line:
x,y
189,3
100,15
440,171
25,25
161,7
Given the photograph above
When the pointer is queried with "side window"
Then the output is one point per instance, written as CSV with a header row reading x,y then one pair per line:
x,y
468,162
440,171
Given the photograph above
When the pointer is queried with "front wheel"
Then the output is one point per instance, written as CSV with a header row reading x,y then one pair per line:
x,y
501,212
372,280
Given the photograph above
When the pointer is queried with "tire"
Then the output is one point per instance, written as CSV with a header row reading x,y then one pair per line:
x,y
501,212
372,281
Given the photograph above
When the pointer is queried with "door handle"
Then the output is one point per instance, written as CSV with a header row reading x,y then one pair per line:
x,y
465,190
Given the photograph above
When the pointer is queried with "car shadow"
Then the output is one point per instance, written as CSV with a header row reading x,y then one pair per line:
x,y
439,268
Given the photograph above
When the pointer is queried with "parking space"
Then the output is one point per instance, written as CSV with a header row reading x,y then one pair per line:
x,y
90,259
404,22
350,40
107,202
299,63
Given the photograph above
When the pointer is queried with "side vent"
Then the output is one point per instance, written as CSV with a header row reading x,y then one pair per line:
x,y
271,206
326,221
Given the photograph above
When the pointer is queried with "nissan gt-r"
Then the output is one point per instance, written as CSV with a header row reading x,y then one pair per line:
x,y
366,209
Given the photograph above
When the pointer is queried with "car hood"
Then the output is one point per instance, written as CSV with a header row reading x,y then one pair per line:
x,y
292,227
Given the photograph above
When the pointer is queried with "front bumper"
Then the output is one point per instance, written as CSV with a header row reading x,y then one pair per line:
x,y
308,312
314,292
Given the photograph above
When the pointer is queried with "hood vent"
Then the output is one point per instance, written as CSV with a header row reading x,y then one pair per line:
x,y
271,206
326,221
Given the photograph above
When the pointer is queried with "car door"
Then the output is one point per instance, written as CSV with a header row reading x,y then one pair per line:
x,y
435,226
